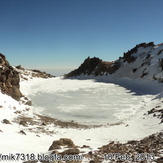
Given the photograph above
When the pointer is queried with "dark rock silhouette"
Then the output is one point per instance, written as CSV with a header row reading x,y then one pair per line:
x,y
94,66
5,121
9,79
127,56
127,65
62,142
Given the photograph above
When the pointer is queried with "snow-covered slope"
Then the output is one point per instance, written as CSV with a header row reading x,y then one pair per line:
x,y
36,137
144,61
147,64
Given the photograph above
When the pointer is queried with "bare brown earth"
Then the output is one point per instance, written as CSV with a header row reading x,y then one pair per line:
x,y
149,149
41,121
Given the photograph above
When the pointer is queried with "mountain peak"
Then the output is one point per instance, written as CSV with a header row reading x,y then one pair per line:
x,y
144,61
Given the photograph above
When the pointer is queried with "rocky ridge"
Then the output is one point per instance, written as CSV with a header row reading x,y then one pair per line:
x,y
94,66
144,61
31,73
10,77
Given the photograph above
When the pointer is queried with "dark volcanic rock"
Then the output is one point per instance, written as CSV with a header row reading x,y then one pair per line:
x,y
40,74
62,142
5,121
128,55
9,79
23,123
161,64
94,66
22,132
152,145
73,151
87,67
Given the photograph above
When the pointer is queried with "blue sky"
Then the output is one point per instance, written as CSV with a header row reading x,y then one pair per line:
x,y
62,33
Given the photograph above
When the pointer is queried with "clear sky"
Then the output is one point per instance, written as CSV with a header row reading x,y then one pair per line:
x,y
62,33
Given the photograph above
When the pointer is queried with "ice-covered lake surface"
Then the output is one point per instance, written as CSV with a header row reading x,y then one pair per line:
x,y
83,101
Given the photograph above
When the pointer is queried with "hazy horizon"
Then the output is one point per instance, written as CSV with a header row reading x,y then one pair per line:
x,y
57,71
55,33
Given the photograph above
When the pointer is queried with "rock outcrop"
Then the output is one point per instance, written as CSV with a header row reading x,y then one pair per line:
x,y
144,61
145,150
40,74
67,145
9,79
57,144
128,55
94,66
25,73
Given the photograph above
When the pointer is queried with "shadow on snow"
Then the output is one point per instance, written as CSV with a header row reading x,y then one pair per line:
x,y
137,87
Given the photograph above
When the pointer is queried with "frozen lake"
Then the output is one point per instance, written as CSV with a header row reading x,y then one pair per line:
x,y
84,101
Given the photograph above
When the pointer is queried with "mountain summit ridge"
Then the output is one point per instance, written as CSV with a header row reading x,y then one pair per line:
x,y
144,61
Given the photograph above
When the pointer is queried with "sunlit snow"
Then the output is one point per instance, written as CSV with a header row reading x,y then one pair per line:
x,y
90,102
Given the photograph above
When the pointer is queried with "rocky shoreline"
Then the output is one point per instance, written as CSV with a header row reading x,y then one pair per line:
x,y
145,150
149,149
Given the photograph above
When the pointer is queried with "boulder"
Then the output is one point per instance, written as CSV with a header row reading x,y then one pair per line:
x,y
67,142
29,102
62,142
23,123
73,151
5,121
22,132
